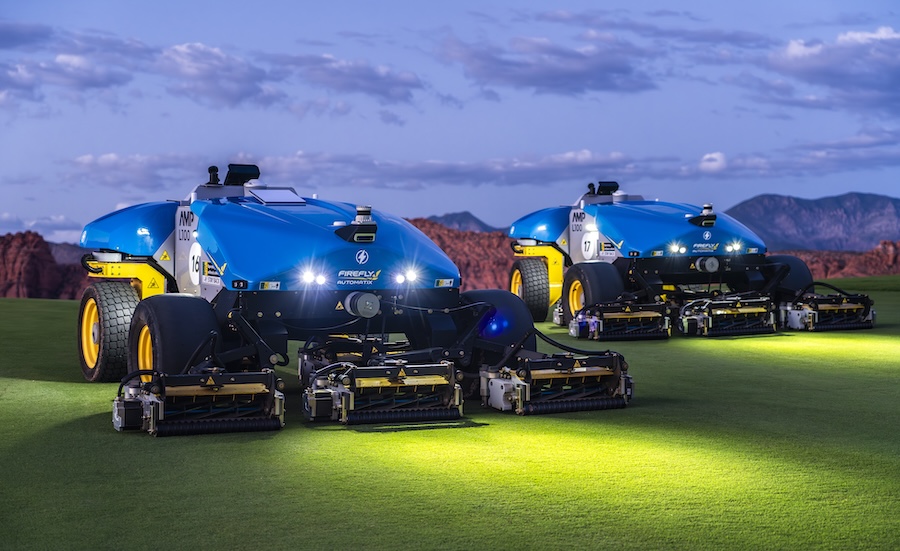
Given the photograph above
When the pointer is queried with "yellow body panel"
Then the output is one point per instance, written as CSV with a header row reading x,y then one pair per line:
x,y
423,380
840,307
631,315
577,373
238,389
150,281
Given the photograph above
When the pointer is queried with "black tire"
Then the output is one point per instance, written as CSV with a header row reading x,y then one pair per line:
x,y
509,324
104,318
511,321
530,281
798,278
166,331
589,283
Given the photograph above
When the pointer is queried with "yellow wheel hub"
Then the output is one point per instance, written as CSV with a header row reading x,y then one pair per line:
x,y
576,297
515,283
90,333
145,353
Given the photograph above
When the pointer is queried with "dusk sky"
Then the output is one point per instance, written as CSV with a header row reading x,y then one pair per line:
x,y
422,108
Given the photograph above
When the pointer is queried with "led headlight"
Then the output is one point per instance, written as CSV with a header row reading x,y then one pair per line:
x,y
407,276
734,247
311,277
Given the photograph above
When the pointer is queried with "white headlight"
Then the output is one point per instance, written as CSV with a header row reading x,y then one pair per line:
x,y
411,275
399,278
320,279
308,277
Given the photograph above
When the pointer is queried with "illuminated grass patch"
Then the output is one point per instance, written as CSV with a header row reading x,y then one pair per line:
x,y
781,442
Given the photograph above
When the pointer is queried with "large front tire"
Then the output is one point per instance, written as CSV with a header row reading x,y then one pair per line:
x,y
510,324
166,330
530,281
589,283
104,318
798,278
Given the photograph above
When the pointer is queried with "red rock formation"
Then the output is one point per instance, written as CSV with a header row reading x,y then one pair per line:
x,y
882,260
483,258
27,268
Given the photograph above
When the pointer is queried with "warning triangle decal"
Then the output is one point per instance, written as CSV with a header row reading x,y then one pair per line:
x,y
165,256
153,284
340,306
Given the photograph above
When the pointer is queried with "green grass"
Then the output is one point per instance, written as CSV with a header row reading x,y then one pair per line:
x,y
788,441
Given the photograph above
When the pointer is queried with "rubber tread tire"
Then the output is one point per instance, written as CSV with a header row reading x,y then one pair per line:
x,y
535,290
177,324
600,281
115,301
799,276
512,313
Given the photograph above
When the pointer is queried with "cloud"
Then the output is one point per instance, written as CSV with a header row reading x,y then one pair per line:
x,y
857,71
320,107
56,229
389,117
678,36
538,64
136,172
208,75
713,162
10,223
385,84
53,223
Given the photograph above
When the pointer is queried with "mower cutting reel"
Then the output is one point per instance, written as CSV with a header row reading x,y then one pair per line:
x,y
389,393
721,316
839,310
558,383
211,402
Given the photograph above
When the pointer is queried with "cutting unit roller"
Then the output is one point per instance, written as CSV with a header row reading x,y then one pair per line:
x,y
200,403
621,321
559,383
728,316
840,310
385,393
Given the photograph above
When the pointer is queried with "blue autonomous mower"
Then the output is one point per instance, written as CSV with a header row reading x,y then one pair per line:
x,y
193,305
615,266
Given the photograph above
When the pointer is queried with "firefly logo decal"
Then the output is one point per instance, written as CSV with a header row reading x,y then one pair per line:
x,y
362,256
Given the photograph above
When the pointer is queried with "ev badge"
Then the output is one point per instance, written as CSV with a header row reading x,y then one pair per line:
x,y
706,235
362,256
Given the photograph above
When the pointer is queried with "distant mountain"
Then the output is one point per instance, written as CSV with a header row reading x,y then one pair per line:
x,y
849,222
66,253
463,221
